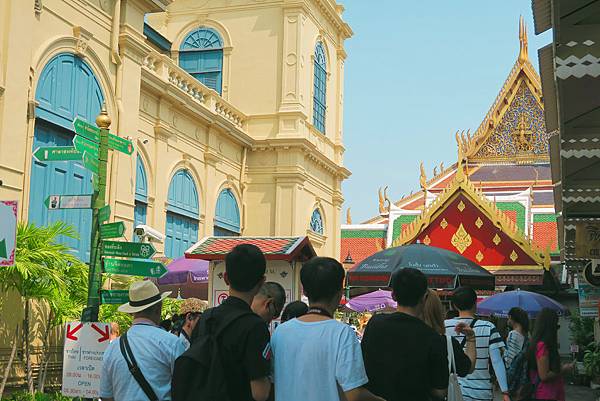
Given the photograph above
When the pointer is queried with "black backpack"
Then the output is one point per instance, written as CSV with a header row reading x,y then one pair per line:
x,y
199,374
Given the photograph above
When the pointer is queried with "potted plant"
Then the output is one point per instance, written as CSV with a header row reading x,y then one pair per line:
x,y
591,362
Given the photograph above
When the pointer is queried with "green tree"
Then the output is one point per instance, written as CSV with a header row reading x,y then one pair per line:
x,y
45,270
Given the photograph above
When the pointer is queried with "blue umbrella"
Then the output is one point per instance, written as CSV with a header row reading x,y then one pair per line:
x,y
531,302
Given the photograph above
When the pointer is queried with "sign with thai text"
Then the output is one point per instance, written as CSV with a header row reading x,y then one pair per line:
x,y
587,240
83,353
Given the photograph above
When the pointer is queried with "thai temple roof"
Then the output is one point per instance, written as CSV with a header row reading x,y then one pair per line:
x,y
503,171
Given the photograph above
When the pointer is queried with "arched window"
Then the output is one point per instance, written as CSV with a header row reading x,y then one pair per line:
x,y
141,195
320,88
316,222
67,89
201,54
182,214
227,215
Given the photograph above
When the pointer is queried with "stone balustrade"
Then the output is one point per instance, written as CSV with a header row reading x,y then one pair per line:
x,y
167,70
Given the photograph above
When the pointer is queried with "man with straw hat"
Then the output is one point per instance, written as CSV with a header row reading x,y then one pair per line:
x,y
138,366
190,309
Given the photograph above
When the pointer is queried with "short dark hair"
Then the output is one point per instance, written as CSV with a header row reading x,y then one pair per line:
x,y
275,291
245,266
322,278
408,286
464,298
293,310
518,315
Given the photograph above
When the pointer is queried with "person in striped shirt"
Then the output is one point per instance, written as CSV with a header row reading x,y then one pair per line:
x,y
478,385
519,322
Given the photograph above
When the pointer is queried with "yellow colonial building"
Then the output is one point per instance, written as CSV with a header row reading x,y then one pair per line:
x,y
234,108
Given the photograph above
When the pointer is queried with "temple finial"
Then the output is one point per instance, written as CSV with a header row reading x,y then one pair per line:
x,y
523,48
423,177
348,218
381,202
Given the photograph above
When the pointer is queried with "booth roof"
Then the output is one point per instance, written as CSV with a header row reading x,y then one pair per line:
x,y
274,248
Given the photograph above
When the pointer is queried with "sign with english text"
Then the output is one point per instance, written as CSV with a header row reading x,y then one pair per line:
x,y
85,344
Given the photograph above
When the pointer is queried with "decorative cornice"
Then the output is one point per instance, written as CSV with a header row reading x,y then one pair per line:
x,y
132,44
82,37
497,216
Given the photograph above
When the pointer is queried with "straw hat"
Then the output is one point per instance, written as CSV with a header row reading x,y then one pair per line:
x,y
192,305
142,295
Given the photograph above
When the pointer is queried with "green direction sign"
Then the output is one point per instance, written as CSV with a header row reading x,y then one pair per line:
x,y
114,296
57,153
85,145
55,202
87,130
90,162
112,230
128,249
120,144
104,213
133,267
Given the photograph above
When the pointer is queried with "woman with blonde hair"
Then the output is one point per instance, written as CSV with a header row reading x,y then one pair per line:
x,y
433,315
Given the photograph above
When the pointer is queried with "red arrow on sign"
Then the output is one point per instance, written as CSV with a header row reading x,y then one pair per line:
x,y
71,333
104,333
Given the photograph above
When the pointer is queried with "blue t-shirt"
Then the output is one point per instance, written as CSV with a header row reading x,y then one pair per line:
x,y
155,351
316,360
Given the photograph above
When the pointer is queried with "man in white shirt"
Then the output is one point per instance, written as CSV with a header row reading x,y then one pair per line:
x,y
154,350
315,357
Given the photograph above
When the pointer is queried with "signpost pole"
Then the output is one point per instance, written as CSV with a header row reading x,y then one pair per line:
x,y
90,313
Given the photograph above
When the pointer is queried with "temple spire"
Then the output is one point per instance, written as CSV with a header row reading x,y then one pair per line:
x,y
523,50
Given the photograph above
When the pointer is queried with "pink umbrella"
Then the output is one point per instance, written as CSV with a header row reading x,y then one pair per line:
x,y
376,301
186,278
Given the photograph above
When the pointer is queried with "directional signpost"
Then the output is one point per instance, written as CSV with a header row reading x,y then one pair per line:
x,y
57,153
120,144
104,213
90,162
114,296
112,230
55,202
87,130
82,144
132,267
128,249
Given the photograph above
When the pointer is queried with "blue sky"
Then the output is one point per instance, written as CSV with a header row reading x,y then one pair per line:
x,y
418,71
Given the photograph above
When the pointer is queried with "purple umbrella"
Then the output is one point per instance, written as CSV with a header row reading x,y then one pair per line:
x,y
375,301
186,277
500,304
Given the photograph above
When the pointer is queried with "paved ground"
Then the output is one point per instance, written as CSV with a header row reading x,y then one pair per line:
x,y
576,393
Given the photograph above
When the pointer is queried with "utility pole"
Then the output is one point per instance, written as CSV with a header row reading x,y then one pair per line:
x,y
90,313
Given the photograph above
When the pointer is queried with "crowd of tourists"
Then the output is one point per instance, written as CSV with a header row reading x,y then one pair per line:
x,y
227,352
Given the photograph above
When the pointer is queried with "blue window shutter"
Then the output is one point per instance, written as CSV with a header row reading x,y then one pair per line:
x,y
316,222
227,213
320,88
141,184
67,88
182,214
201,55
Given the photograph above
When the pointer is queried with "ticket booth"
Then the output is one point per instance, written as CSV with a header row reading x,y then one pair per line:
x,y
284,255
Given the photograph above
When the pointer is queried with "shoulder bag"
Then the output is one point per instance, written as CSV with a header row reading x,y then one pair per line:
x,y
454,391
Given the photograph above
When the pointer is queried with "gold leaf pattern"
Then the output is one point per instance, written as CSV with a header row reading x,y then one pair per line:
x,y
461,206
479,256
513,256
427,240
443,224
479,222
461,239
497,239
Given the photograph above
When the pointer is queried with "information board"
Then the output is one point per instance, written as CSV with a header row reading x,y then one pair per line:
x,y
84,348
8,232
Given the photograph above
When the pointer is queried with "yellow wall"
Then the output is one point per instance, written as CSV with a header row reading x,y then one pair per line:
x,y
263,118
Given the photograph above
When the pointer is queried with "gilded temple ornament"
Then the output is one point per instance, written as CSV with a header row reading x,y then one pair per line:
x,y
513,256
461,206
479,256
427,240
443,224
497,239
479,222
461,239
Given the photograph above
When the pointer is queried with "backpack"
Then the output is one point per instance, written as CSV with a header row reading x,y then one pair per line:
x,y
199,374
520,386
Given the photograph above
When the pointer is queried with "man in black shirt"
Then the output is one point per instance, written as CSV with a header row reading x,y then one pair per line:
x,y
405,359
244,344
